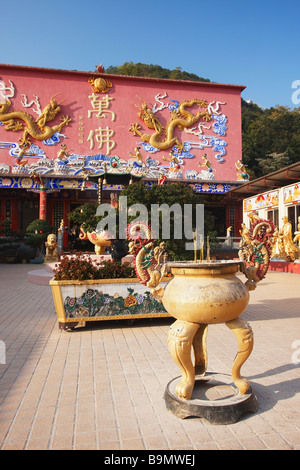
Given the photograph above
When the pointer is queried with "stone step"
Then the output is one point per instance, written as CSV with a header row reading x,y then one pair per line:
x,y
40,277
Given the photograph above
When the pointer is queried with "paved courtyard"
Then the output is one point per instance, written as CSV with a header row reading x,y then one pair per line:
x,y
102,386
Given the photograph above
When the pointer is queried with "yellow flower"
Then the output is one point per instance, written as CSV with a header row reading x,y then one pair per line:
x,y
130,300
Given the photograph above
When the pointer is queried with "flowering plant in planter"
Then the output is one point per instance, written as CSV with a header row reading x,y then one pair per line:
x,y
86,290
82,268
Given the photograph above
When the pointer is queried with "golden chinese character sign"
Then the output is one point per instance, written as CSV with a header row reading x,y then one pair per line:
x,y
68,122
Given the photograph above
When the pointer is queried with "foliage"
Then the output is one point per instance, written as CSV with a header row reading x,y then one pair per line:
x,y
177,193
111,269
84,216
6,230
273,162
37,232
271,138
81,267
144,70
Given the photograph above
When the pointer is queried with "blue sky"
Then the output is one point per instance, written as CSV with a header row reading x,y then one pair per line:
x,y
252,43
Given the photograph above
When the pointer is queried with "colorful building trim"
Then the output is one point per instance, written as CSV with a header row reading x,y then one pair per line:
x,y
273,196
59,127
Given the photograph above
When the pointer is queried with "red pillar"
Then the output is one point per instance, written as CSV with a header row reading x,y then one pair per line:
x,y
43,204
66,221
14,215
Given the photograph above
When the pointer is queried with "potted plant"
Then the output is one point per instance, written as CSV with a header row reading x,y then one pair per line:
x,y
85,290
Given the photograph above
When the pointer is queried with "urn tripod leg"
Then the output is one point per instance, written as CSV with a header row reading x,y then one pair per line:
x,y
244,335
180,341
200,350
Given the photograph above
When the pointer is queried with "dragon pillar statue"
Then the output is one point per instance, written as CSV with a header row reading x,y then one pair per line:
x,y
149,260
256,248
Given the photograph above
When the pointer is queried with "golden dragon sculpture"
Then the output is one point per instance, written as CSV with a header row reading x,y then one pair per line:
x,y
37,129
163,138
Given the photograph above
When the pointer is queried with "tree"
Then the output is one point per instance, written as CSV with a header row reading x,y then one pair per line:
x,y
176,193
144,70
37,233
85,216
273,162
271,138
7,231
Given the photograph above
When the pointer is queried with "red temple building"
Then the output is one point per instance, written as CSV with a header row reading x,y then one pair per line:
x,y
59,127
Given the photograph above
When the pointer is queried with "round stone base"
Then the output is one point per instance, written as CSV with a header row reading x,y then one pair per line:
x,y
215,398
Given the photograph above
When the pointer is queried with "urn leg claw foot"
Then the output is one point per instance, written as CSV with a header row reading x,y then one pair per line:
x,y
184,389
180,342
244,335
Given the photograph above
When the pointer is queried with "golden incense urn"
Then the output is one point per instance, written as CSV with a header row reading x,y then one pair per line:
x,y
100,240
201,293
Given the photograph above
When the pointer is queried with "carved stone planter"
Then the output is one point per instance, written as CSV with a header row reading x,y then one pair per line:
x,y
77,302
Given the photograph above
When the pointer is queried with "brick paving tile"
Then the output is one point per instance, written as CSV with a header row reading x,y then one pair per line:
x,y
102,386
252,443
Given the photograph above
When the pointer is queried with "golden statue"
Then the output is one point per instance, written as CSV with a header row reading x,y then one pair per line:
x,y
240,167
286,233
175,163
63,153
22,152
283,243
277,246
244,232
37,129
137,159
51,249
163,137
206,163
297,233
